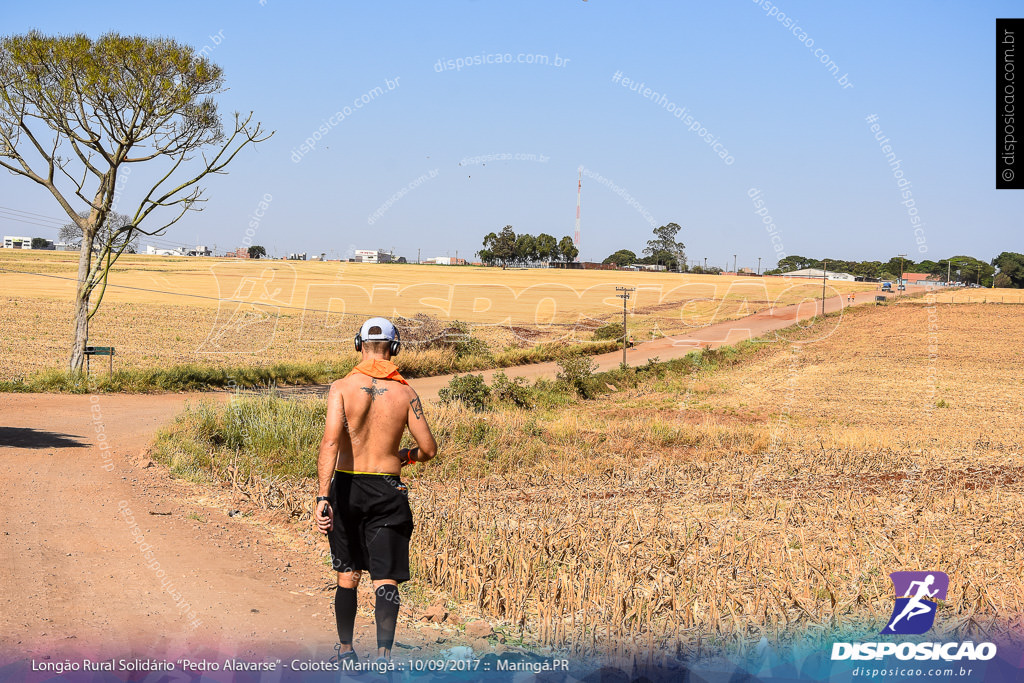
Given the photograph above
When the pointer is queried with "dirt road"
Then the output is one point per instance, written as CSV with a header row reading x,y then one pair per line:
x,y
714,335
74,579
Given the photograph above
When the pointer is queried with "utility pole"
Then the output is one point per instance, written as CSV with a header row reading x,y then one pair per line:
x,y
824,272
417,255
625,337
900,282
734,264
758,265
705,265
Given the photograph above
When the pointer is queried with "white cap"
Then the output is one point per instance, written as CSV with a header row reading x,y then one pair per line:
x,y
387,330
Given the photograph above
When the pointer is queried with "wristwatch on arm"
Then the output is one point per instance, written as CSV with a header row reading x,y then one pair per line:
x,y
408,455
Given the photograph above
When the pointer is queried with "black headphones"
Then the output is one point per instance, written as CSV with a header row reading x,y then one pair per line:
x,y
393,347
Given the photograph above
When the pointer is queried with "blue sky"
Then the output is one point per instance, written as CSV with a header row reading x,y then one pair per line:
x,y
925,69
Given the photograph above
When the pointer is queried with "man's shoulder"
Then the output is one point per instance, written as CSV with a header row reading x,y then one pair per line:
x,y
359,380
341,383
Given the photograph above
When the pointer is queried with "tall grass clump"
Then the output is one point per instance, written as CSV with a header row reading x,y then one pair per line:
x,y
263,436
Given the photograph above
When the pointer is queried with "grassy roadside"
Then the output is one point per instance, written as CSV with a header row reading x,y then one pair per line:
x,y
194,377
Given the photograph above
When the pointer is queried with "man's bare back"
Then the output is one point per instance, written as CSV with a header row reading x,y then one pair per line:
x,y
374,415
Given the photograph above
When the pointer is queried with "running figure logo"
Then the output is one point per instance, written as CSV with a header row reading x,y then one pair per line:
x,y
917,596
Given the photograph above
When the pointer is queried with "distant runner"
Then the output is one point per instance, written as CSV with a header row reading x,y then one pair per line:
x,y
363,505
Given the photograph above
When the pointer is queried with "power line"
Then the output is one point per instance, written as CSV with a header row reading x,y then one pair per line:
x,y
32,214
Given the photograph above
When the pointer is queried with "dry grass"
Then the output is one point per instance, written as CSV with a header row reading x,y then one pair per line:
x,y
980,296
308,311
766,492
771,498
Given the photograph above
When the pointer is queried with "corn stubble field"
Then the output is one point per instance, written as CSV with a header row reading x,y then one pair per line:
x,y
698,506
227,312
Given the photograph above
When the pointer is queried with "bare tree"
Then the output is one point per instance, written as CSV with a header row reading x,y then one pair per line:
x,y
75,111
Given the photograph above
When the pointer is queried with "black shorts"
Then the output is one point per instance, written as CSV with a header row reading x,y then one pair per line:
x,y
372,525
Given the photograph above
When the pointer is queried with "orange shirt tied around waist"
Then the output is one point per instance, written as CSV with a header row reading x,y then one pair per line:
x,y
381,369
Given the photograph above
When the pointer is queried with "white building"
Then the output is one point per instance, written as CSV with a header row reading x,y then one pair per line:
x,y
445,261
180,251
816,274
373,256
14,242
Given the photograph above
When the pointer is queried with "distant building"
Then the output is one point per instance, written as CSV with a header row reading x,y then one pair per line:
x,y
923,279
157,251
297,257
66,246
816,274
649,266
14,242
241,252
372,256
445,261
201,250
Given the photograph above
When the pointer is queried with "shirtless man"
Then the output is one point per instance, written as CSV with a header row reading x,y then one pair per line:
x,y
363,505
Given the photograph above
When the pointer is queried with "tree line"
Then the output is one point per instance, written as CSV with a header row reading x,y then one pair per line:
x,y
966,269
662,250
507,248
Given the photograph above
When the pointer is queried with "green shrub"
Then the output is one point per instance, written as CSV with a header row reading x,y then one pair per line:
x,y
512,390
610,331
470,390
577,373
461,339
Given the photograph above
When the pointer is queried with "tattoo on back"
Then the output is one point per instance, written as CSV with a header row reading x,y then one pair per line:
x,y
417,408
373,391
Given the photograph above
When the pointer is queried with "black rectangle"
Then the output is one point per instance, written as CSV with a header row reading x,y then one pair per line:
x,y
1009,122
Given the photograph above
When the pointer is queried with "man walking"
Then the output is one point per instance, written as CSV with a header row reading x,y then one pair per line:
x,y
362,504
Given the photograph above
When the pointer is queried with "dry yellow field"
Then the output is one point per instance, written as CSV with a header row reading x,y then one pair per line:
x,y
162,311
981,296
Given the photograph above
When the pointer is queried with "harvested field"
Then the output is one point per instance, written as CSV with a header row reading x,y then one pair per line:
x,y
769,498
980,296
765,492
232,312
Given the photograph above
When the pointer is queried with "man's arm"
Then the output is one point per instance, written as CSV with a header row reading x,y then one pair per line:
x,y
328,457
327,460
420,430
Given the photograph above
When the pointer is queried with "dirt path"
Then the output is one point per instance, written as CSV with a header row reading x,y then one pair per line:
x,y
714,335
72,581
